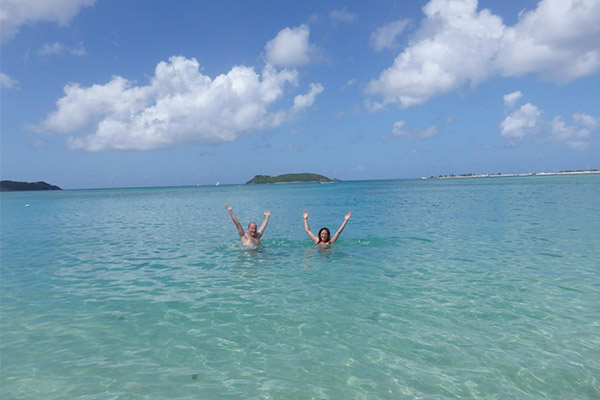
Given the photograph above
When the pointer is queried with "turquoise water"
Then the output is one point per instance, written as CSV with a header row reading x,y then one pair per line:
x,y
437,289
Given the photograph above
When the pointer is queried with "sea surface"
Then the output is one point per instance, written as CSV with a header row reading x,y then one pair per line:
x,y
483,288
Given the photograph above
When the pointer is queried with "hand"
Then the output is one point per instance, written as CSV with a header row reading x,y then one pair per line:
x,y
267,213
305,214
347,216
228,207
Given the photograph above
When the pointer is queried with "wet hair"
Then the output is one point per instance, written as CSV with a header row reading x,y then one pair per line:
x,y
328,234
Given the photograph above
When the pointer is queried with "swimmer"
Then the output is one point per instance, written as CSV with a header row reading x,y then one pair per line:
x,y
324,238
252,237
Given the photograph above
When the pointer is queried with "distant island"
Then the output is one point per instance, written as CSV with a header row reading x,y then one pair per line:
x,y
290,178
12,186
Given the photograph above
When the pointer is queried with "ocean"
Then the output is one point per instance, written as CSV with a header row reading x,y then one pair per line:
x,y
475,288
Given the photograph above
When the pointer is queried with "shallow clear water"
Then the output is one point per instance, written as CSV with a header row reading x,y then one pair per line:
x,y
463,288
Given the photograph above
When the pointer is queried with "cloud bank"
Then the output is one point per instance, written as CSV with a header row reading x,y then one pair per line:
x,y
179,106
457,44
15,13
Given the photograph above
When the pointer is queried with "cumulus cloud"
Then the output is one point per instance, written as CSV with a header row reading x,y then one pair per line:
x,y
457,44
385,36
290,48
560,39
343,16
526,122
303,101
579,134
520,123
180,105
15,13
399,129
512,98
6,82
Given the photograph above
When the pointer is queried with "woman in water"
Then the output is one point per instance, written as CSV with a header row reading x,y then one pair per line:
x,y
324,238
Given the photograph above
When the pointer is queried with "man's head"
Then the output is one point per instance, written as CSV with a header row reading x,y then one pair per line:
x,y
252,229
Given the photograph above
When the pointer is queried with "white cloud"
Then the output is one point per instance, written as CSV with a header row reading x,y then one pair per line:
x,y
579,134
52,48
434,63
59,48
292,148
560,40
306,100
350,82
399,129
6,82
343,16
385,37
180,105
290,48
77,50
512,98
527,122
520,123
14,13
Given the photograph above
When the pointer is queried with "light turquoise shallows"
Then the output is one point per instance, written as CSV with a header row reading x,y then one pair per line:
x,y
437,289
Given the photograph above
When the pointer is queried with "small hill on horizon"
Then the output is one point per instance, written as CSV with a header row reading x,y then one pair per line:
x,y
290,178
12,186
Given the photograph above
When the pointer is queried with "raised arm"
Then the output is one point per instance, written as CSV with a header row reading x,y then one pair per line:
x,y
307,229
264,224
337,234
235,221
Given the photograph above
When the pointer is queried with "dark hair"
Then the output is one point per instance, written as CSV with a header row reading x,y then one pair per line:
x,y
328,234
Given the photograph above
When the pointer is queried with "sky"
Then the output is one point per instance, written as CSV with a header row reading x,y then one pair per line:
x,y
140,93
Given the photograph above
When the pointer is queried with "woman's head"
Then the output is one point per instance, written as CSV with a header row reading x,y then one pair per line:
x,y
324,235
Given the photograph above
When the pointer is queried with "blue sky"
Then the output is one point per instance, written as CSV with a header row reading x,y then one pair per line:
x,y
110,93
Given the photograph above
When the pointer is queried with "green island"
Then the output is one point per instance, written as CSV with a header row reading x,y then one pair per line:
x,y
290,178
12,186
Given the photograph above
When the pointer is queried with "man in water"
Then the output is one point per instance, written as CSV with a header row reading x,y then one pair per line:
x,y
252,237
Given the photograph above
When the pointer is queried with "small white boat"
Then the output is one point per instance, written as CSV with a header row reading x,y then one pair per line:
x,y
217,184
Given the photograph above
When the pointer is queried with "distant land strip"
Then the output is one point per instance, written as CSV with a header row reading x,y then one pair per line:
x,y
567,172
290,178
12,186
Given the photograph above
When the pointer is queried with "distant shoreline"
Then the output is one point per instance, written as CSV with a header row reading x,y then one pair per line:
x,y
500,175
462,176
15,186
